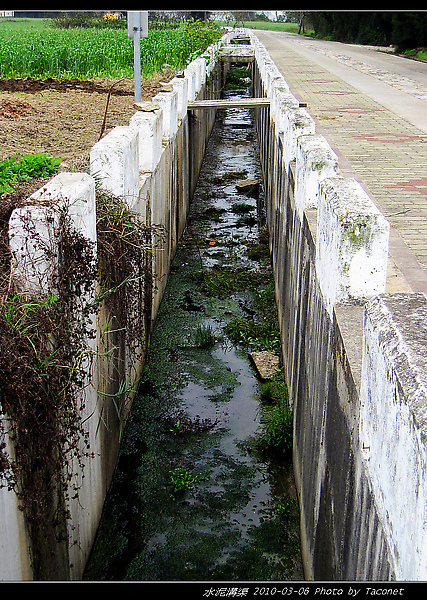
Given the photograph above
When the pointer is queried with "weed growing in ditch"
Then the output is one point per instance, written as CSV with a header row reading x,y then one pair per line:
x,y
277,417
204,336
125,245
181,480
256,335
238,77
278,429
265,303
241,208
221,280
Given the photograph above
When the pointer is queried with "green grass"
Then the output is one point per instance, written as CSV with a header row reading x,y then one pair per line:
x,y
29,49
269,25
417,53
204,336
29,166
23,25
272,26
221,281
254,335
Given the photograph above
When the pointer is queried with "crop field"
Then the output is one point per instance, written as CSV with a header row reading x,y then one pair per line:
x,y
41,51
55,84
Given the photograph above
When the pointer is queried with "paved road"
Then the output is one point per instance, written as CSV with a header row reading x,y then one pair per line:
x,y
372,108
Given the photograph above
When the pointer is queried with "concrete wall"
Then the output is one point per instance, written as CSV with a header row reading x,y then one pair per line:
x,y
152,165
353,355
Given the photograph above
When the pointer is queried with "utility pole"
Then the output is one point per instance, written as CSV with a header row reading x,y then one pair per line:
x,y
137,28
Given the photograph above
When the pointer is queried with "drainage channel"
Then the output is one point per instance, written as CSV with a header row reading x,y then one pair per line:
x,y
198,494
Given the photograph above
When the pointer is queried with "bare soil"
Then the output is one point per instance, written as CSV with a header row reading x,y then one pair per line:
x,y
64,117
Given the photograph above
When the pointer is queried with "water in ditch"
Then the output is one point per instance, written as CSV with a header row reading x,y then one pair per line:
x,y
196,496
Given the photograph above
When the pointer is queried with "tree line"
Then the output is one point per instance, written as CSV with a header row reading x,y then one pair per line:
x,y
403,30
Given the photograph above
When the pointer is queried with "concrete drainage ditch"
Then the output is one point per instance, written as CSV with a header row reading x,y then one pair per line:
x,y
195,495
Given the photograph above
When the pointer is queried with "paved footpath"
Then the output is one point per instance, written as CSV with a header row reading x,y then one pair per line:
x,y
376,122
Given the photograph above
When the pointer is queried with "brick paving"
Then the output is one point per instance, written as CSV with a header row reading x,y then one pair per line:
x,y
387,153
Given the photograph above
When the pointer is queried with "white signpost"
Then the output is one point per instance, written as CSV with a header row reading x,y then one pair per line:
x,y
137,28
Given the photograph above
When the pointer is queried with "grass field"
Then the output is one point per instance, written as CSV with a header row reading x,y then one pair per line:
x,y
272,26
31,48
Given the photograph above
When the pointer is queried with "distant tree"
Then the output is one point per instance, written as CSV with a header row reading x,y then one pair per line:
x,y
259,17
409,30
300,18
285,17
199,15
353,27
240,16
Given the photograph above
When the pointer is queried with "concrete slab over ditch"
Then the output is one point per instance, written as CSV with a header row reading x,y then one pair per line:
x,y
266,364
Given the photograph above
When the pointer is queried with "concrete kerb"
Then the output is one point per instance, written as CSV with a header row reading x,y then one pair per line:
x,y
316,162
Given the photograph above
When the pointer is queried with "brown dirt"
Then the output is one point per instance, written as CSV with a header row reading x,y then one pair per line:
x,y
64,117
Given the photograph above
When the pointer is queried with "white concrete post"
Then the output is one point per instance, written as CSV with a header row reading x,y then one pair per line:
x,y
212,51
33,233
33,269
264,63
74,192
190,75
168,101
114,163
297,122
315,161
149,125
274,77
393,425
279,87
196,67
180,85
351,243
201,63
280,101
